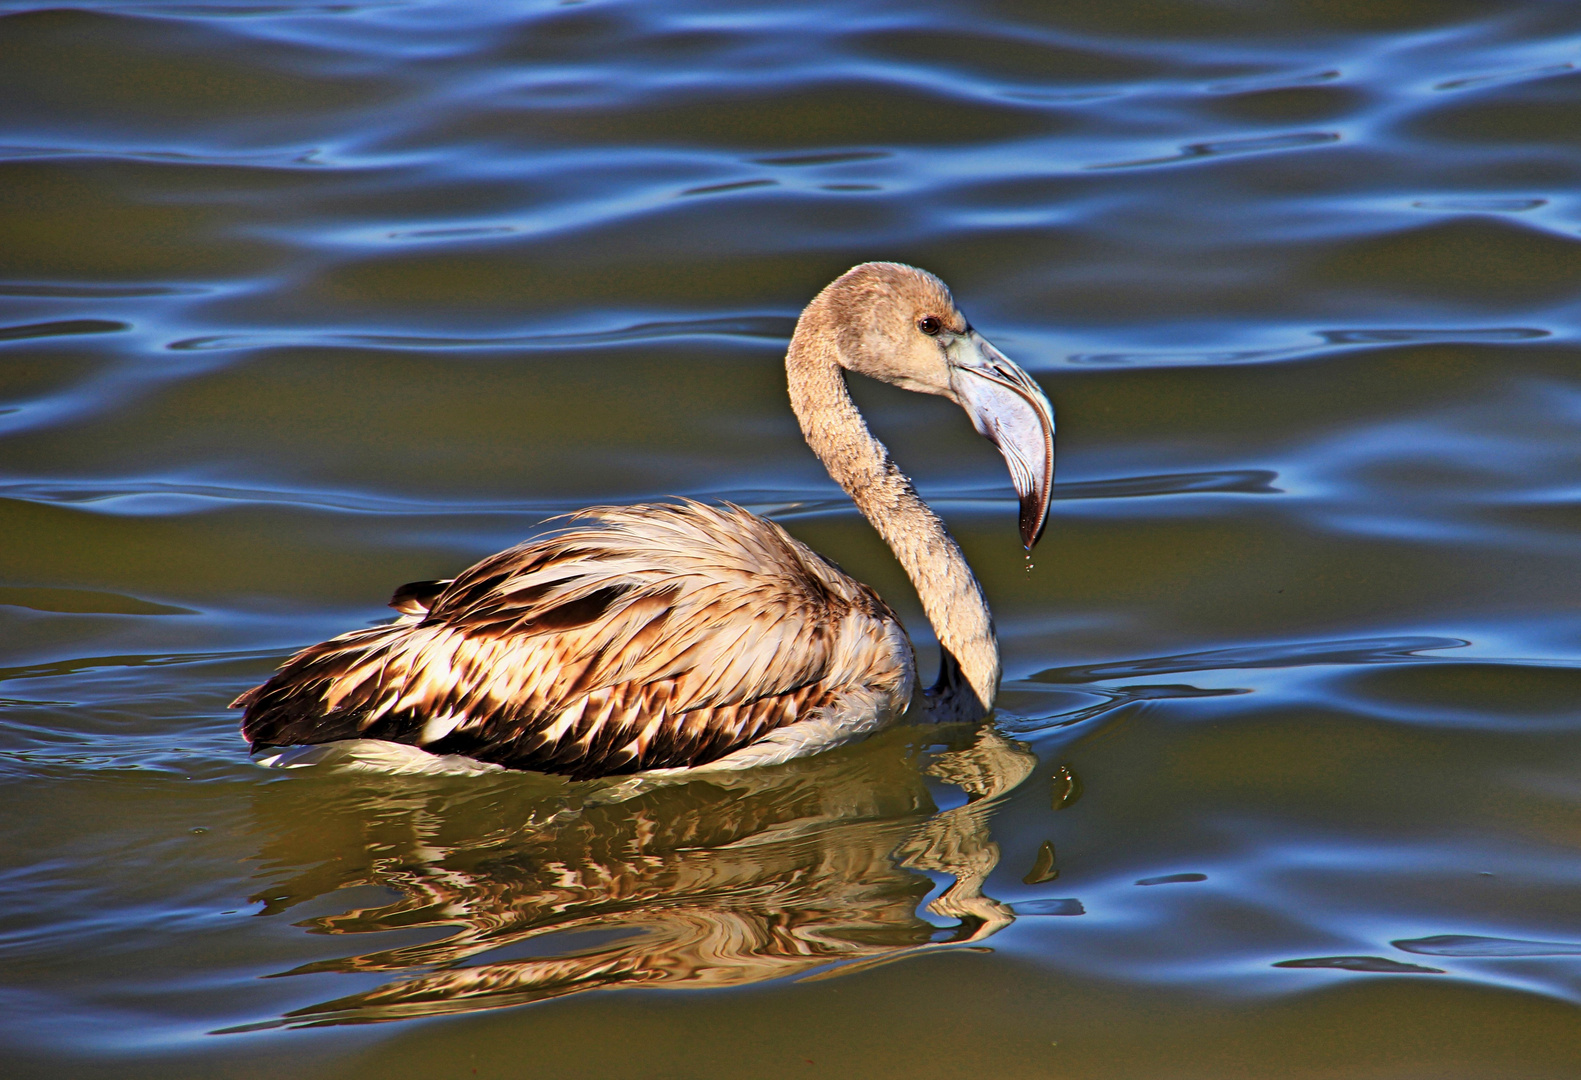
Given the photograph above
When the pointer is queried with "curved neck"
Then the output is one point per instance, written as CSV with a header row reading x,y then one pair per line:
x,y
859,463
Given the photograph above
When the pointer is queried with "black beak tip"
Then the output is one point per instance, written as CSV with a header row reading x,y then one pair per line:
x,y
1033,515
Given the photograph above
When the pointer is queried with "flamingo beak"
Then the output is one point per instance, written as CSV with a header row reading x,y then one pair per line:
x,y
1008,409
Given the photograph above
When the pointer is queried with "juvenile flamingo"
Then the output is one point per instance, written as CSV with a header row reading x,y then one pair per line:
x,y
667,636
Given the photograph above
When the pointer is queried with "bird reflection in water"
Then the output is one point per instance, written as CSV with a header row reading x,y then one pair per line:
x,y
810,869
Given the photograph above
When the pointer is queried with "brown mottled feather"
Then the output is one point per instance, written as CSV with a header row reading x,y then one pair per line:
x,y
416,597
652,636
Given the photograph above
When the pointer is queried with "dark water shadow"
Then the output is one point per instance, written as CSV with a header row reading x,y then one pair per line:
x,y
94,290
539,890
62,328
51,669
1377,965
1224,481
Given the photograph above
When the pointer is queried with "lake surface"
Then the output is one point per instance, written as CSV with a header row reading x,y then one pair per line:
x,y
302,301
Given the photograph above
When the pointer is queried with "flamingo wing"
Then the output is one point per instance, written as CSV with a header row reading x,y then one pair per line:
x,y
651,636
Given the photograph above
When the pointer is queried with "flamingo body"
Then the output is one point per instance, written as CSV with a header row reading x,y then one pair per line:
x,y
666,636
656,636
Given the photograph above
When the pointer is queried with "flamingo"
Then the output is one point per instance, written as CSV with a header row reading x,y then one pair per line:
x,y
665,637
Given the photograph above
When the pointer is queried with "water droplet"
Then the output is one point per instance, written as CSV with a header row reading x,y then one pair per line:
x,y
1067,787
1043,869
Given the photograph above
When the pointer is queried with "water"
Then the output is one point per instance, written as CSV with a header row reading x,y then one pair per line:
x,y
303,301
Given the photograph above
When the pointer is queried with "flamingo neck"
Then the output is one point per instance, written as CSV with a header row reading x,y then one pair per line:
x,y
859,463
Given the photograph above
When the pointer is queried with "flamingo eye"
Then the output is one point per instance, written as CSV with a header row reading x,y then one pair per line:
x,y
929,325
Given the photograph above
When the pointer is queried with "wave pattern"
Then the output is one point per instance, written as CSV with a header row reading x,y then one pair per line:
x,y
299,301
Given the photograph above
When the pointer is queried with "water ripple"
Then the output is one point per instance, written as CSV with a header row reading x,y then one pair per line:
x,y
1302,654
305,300
1260,144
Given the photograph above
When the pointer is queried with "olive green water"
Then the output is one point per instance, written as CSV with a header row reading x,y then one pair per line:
x,y
299,302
